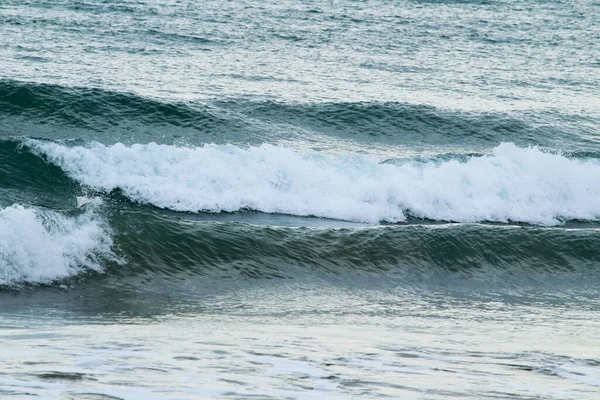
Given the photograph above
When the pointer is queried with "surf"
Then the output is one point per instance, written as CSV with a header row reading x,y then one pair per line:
x,y
41,246
510,184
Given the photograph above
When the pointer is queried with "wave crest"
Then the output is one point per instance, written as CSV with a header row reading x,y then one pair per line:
x,y
511,184
42,246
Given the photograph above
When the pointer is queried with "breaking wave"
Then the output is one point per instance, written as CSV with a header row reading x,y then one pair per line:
x,y
511,184
42,246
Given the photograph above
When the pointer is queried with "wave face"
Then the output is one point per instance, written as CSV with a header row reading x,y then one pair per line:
x,y
60,112
510,184
160,245
93,109
43,246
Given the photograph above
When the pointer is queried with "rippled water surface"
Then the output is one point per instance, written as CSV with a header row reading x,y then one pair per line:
x,y
274,200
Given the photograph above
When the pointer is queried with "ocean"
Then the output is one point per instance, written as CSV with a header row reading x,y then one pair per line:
x,y
377,199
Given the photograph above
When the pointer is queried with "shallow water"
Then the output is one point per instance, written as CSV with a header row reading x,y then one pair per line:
x,y
308,341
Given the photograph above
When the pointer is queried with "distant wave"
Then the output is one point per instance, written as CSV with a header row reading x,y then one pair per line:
x,y
96,109
404,122
43,246
241,120
510,184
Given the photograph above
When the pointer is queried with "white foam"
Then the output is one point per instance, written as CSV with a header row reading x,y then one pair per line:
x,y
83,201
518,184
41,246
586,374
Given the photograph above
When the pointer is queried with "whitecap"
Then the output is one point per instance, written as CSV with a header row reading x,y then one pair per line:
x,y
43,246
510,184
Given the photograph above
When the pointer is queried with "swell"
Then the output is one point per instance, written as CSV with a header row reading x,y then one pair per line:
x,y
96,109
29,108
406,122
177,249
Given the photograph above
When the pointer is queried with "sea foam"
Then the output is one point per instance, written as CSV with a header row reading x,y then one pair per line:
x,y
42,246
510,184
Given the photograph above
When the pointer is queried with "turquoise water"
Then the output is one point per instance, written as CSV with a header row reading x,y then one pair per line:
x,y
375,199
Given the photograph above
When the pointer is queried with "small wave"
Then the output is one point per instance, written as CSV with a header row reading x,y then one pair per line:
x,y
96,109
38,109
510,184
158,244
41,246
405,121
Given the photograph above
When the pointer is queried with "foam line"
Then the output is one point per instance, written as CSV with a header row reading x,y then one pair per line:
x,y
512,183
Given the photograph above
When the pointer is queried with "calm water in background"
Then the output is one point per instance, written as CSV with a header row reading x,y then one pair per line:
x,y
374,199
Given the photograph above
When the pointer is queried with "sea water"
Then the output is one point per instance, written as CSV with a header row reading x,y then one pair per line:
x,y
299,200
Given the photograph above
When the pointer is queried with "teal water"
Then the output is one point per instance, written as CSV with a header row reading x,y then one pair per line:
x,y
375,199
